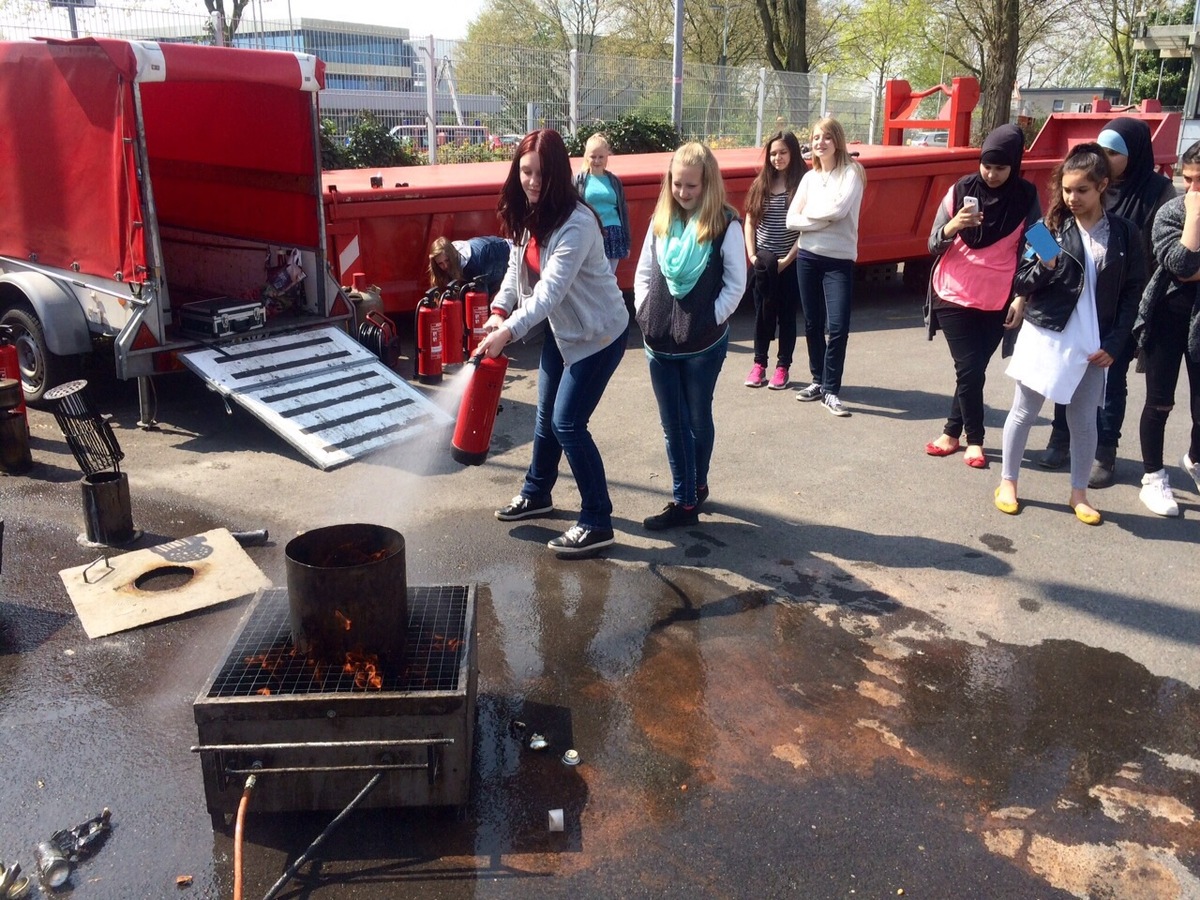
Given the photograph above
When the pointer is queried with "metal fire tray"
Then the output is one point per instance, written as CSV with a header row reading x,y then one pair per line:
x,y
317,734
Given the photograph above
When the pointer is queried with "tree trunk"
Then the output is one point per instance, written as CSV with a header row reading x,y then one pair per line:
x,y
1000,68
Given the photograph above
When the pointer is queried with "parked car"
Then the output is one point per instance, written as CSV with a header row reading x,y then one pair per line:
x,y
930,139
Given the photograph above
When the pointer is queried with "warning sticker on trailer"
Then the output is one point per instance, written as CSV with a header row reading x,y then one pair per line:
x,y
321,391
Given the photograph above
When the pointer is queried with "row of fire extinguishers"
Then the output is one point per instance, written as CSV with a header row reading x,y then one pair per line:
x,y
449,326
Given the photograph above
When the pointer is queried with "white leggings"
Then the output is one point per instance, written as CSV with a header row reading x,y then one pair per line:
x,y
1081,419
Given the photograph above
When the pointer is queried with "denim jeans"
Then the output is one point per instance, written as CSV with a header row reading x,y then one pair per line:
x,y
825,286
972,336
683,387
567,397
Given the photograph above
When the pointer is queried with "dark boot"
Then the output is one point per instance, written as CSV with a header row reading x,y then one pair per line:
x,y
1058,450
1103,467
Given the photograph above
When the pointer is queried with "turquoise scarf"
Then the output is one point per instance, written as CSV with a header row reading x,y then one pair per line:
x,y
682,258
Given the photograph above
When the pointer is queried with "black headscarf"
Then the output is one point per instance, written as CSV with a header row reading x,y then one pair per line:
x,y
1136,195
1004,208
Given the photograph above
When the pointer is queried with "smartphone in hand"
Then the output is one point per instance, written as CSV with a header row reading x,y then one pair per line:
x,y
971,203
1041,242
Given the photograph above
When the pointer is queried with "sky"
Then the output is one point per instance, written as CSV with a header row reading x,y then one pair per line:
x,y
441,18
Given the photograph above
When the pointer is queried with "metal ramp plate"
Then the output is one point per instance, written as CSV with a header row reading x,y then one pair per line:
x,y
320,390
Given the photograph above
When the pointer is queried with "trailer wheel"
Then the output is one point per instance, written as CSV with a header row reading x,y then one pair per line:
x,y
40,369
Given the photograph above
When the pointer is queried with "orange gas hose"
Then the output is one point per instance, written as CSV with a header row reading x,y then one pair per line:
x,y
237,836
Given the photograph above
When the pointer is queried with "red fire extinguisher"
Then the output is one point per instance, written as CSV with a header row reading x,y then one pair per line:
x,y
428,358
452,327
476,302
477,412
10,365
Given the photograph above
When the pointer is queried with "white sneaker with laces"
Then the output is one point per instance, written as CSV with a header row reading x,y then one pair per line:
x,y
1192,469
834,405
1156,494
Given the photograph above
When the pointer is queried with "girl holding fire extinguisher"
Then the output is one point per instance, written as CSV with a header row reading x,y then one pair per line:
x,y
558,272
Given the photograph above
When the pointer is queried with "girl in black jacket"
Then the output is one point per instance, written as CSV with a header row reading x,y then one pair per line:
x,y
1079,308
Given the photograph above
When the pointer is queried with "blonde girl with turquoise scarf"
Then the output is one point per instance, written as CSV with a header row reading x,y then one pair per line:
x,y
690,278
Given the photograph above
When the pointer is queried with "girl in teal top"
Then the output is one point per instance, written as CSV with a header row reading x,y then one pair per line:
x,y
602,191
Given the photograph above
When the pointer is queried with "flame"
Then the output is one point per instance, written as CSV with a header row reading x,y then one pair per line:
x,y
264,692
345,623
365,669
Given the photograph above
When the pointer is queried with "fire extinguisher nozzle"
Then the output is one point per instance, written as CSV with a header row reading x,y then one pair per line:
x,y
476,359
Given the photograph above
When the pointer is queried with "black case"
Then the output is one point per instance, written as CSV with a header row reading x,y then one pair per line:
x,y
221,317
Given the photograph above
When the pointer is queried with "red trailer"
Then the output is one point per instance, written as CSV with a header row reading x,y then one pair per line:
x,y
385,232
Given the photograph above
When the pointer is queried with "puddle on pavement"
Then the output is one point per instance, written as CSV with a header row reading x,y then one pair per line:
x,y
1056,767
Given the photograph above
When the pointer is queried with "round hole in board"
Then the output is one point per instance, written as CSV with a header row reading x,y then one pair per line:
x,y
164,578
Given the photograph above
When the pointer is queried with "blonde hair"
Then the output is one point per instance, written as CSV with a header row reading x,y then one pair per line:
x,y
595,141
711,214
841,157
438,278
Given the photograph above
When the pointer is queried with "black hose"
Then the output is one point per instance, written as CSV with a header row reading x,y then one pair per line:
x,y
329,829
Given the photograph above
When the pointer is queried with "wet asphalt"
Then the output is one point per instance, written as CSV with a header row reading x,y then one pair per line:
x,y
854,677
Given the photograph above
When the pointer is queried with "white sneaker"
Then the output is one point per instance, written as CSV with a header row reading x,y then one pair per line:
x,y
1192,469
1156,494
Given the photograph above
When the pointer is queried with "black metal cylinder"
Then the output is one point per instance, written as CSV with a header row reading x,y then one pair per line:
x,y
348,593
107,514
14,442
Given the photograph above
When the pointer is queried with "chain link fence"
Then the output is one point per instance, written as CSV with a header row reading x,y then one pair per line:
x,y
478,93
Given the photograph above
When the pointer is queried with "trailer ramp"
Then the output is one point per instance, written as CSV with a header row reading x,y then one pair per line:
x,y
320,390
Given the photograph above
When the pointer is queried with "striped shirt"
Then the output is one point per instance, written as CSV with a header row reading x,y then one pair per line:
x,y
771,232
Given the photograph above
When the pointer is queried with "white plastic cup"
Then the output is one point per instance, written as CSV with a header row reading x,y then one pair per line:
x,y
556,820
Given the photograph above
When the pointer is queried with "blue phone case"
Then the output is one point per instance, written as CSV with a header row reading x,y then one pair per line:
x,y
1041,241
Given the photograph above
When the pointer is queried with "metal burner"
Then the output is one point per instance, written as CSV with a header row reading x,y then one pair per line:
x,y
316,733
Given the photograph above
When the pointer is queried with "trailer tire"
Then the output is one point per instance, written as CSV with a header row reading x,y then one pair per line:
x,y
41,370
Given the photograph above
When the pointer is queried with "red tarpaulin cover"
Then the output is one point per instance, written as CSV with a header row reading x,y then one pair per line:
x,y
229,135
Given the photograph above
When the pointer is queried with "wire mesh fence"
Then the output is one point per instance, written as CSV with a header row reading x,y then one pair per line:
x,y
487,94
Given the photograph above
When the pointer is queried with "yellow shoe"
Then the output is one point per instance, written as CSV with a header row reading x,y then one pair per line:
x,y
1006,507
1087,516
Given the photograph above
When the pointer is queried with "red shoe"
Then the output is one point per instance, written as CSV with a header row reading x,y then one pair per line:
x,y
976,462
934,450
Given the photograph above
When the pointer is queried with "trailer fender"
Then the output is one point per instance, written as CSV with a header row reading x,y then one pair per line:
x,y
55,305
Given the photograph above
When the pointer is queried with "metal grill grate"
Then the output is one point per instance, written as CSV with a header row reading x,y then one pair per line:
x,y
262,661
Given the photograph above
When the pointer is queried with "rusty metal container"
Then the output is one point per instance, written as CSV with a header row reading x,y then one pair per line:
x,y
348,593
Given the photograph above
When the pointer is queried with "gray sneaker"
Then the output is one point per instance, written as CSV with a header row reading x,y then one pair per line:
x,y
810,393
834,405
1192,469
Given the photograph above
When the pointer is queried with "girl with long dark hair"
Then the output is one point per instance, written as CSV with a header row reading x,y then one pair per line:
x,y
1079,306
558,273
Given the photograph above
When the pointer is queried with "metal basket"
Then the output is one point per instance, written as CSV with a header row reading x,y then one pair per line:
x,y
89,437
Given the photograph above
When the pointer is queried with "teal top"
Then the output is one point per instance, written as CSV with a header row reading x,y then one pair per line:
x,y
599,194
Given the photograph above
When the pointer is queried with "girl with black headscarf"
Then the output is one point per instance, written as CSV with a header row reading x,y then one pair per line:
x,y
976,240
1137,192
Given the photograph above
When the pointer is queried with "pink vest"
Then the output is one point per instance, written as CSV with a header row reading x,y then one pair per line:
x,y
977,278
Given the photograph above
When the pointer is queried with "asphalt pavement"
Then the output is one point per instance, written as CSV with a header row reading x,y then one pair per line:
x,y
854,677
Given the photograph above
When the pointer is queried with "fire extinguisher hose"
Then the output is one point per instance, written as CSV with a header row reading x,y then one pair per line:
x,y
329,829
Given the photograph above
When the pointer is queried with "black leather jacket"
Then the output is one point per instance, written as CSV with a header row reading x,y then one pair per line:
x,y
1051,294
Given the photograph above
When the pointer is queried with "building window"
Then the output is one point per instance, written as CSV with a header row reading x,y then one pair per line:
x,y
1058,106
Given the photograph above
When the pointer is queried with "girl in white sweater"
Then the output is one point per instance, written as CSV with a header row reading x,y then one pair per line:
x,y
825,212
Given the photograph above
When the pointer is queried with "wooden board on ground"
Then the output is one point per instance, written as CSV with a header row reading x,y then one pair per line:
x,y
153,584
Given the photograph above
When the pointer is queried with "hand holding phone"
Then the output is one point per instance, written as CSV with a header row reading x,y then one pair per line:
x,y
971,204
1042,242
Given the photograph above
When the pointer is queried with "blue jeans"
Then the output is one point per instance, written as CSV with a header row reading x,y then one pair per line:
x,y
567,397
825,285
683,387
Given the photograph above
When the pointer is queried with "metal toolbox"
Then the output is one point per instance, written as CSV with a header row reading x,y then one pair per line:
x,y
221,317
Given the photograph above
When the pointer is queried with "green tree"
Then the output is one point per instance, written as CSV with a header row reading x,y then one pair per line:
x,y
785,28
370,146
